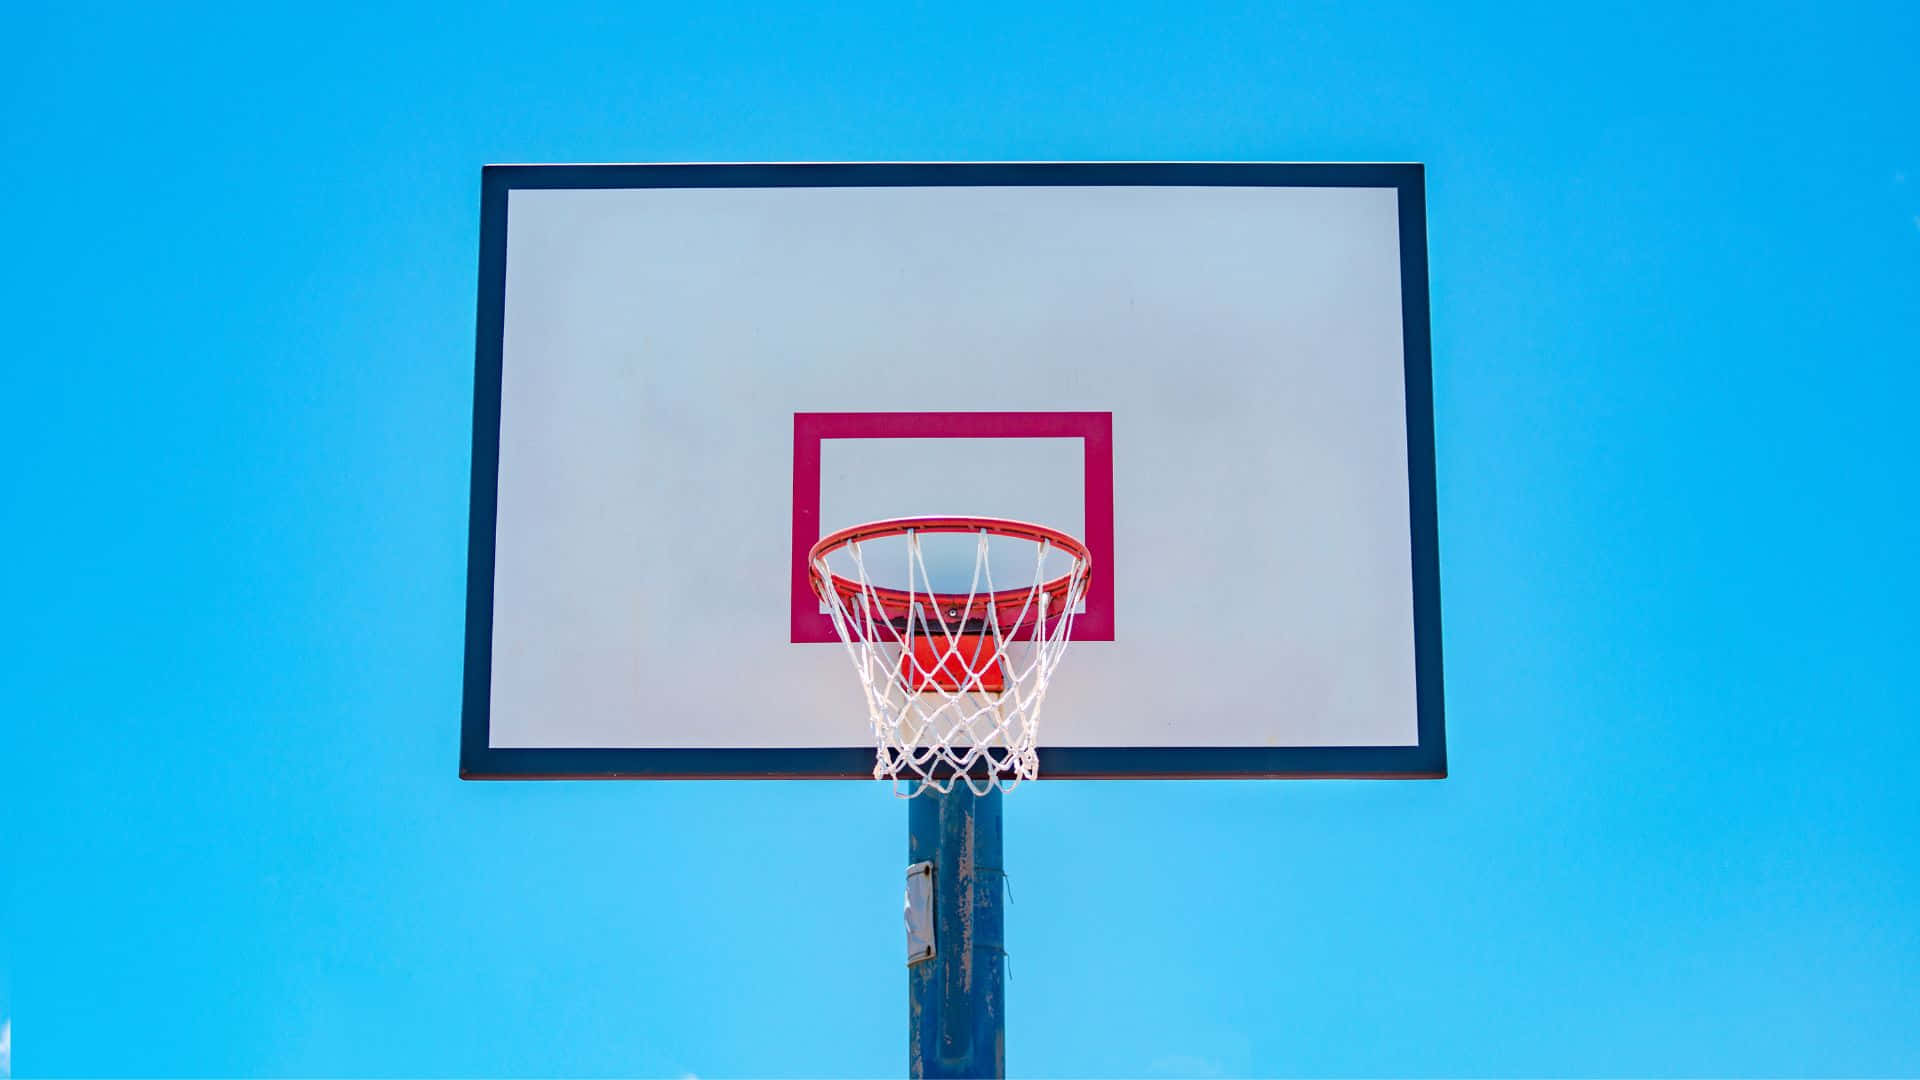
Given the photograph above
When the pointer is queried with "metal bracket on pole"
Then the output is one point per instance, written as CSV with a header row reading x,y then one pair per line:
x,y
920,914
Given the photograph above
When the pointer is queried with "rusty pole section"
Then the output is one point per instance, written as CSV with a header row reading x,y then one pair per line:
x,y
956,1001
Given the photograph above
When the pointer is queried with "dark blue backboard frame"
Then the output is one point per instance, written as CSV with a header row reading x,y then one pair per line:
x,y
1427,759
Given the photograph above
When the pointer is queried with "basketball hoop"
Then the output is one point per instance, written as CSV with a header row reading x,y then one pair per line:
x,y
953,678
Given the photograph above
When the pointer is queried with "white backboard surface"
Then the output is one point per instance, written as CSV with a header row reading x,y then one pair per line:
x,y
1218,375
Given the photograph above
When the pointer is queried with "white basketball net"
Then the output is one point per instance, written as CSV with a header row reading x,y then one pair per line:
x,y
928,679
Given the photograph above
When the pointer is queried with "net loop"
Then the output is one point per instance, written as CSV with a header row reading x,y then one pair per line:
x,y
953,680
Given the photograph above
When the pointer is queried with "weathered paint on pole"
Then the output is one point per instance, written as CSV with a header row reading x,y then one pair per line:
x,y
957,1000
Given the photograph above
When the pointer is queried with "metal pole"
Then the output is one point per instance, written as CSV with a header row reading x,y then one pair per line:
x,y
957,999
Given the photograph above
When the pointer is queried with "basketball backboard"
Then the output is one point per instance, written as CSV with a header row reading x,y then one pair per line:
x,y
1216,375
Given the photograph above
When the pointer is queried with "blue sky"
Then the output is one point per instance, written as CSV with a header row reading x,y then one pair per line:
x,y
1676,296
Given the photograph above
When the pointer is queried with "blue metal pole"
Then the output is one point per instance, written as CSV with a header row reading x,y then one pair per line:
x,y
957,999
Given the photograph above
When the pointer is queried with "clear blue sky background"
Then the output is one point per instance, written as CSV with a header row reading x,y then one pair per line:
x,y
1676,297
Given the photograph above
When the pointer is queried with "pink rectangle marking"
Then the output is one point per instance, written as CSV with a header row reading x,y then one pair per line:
x,y
1094,429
